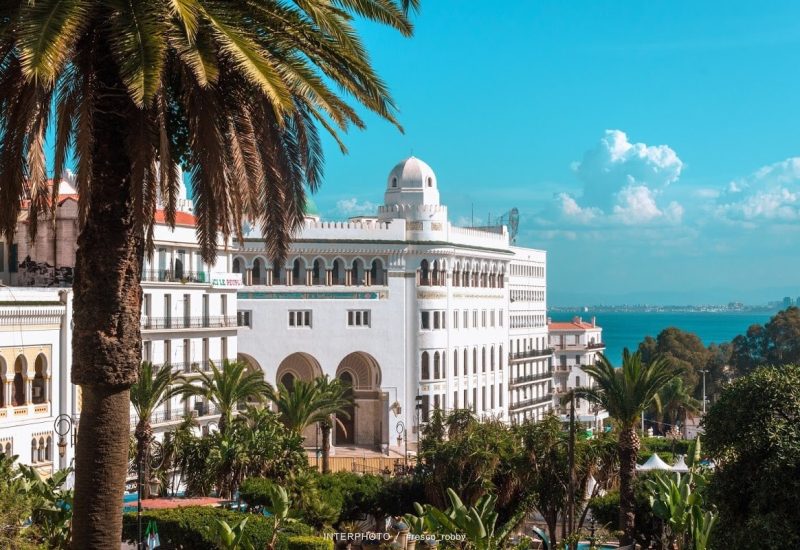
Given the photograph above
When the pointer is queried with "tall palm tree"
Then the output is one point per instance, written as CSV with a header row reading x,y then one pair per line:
x,y
323,400
226,388
233,90
153,388
625,393
676,403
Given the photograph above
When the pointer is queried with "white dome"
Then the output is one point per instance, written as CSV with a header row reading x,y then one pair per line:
x,y
411,173
411,182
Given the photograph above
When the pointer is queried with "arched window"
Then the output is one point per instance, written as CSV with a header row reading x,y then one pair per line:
x,y
3,375
457,276
394,182
357,273
436,371
288,381
34,452
237,265
337,274
259,272
424,273
376,272
278,274
20,367
298,272
425,372
39,389
318,277
455,363
430,181
48,450
42,450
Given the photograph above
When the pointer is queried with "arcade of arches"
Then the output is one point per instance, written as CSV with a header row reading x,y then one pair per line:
x,y
25,376
367,425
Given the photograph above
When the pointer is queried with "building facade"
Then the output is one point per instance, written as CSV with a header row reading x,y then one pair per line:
x,y
576,344
410,309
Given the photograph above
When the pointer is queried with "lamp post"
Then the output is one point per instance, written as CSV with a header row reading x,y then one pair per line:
x,y
62,426
155,462
704,371
401,432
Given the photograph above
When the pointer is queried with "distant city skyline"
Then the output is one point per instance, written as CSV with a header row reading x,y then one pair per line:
x,y
651,148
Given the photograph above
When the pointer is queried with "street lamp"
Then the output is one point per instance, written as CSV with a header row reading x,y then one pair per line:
x,y
62,426
155,462
401,434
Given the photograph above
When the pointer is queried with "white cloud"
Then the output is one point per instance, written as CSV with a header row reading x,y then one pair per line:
x,y
622,182
770,194
352,207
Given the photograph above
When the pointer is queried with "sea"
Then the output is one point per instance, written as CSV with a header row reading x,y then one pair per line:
x,y
623,329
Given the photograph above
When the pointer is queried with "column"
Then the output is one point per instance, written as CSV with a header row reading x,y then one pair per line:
x,y
289,277
328,277
248,276
28,385
309,277
368,277
348,277
269,277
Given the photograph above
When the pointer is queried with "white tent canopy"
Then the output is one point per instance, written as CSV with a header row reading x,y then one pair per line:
x,y
680,466
654,463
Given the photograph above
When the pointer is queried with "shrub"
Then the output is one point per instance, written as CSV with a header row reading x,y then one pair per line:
x,y
187,527
309,543
606,510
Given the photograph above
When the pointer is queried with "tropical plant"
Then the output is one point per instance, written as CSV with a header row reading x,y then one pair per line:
x,y
279,508
626,393
226,388
153,388
478,523
234,90
228,537
51,505
677,500
322,400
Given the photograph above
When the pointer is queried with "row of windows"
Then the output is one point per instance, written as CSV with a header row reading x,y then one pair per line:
x,y
183,305
436,320
527,295
355,318
187,353
488,402
316,273
438,360
527,270
528,321
435,274
520,345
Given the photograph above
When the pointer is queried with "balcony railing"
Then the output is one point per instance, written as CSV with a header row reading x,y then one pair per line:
x,y
219,321
531,378
596,345
531,402
165,417
528,354
175,276
31,409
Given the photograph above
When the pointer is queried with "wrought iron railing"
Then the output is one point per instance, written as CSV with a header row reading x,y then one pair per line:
x,y
218,321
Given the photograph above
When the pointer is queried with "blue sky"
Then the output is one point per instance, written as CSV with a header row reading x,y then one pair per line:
x,y
649,146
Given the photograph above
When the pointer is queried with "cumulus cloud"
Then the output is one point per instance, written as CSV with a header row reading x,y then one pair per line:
x,y
770,194
354,207
622,182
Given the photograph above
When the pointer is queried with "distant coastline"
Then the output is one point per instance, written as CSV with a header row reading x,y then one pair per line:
x,y
645,308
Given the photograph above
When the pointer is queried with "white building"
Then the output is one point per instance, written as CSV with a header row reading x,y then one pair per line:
x,y
188,319
406,306
34,375
575,344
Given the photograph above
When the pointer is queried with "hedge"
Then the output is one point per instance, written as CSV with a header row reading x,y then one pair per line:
x,y
186,528
309,543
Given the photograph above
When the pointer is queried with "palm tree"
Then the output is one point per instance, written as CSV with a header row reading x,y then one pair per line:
x,y
233,90
323,400
625,393
676,403
153,388
226,388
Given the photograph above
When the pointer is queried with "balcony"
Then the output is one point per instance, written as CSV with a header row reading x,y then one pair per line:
x,y
530,402
166,417
530,354
173,323
172,276
531,378
596,345
24,411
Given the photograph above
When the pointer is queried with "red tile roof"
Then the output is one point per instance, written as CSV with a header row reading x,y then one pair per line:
x,y
181,218
571,325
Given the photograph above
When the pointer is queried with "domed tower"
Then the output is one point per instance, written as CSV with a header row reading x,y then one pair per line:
x,y
412,193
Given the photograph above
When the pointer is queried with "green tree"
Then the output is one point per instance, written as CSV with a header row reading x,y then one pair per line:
x,y
626,392
775,343
675,404
322,400
681,348
234,90
152,389
226,388
753,435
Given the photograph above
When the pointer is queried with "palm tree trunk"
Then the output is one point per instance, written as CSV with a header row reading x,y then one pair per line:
x,y
326,447
628,454
106,340
143,437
